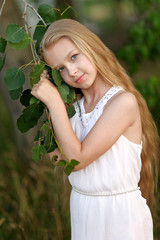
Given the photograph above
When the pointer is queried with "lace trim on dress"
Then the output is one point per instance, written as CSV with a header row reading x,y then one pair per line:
x,y
87,117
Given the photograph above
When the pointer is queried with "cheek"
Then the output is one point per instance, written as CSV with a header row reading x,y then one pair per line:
x,y
64,76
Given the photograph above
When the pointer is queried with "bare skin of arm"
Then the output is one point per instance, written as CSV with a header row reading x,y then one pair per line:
x,y
120,116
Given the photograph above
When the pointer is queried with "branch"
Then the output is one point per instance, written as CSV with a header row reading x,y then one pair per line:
x,y
2,7
35,56
28,5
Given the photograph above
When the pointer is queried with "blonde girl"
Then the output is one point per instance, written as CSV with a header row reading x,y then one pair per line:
x,y
112,135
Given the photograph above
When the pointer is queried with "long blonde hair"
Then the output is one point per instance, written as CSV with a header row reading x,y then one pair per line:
x,y
112,72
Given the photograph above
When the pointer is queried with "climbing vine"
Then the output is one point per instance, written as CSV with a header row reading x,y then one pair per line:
x,y
19,37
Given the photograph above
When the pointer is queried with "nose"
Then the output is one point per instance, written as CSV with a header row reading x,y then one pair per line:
x,y
72,70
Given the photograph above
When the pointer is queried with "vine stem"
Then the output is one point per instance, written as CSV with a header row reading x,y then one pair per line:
x,y
29,5
50,124
35,56
1,9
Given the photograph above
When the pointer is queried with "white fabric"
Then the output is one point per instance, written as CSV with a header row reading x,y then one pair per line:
x,y
124,216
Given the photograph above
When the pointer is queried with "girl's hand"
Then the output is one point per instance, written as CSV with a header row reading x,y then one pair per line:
x,y
44,90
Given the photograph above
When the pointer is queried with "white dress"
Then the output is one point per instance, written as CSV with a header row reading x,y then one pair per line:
x,y
106,203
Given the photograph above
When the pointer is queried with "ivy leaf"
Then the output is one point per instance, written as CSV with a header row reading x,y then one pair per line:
x,y
2,61
34,111
14,78
61,163
71,111
38,151
63,90
25,98
49,142
24,125
73,163
56,77
3,44
38,136
14,33
71,95
54,159
15,94
21,45
47,13
33,100
45,126
38,34
68,170
68,12
39,31
36,72
30,116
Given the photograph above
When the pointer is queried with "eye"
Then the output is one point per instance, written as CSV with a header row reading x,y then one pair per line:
x,y
74,56
61,69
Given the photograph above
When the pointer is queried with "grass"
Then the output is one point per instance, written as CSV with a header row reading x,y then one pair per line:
x,y
34,197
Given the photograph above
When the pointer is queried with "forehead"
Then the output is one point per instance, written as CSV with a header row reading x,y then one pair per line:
x,y
63,42
58,51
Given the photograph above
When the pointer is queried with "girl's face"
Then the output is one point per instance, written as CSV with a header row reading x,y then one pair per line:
x,y
75,68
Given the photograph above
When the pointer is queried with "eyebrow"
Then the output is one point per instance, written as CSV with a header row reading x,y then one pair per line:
x,y
70,53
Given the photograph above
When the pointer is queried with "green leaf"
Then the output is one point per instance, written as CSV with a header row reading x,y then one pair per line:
x,y
3,44
14,78
33,100
68,170
30,116
15,94
61,163
25,98
73,163
14,33
21,45
69,12
54,159
38,151
63,90
47,13
71,95
39,135
45,126
56,77
39,31
71,111
24,125
34,111
2,61
49,142
36,72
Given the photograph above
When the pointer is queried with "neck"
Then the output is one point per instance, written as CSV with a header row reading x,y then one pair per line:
x,y
94,93
98,89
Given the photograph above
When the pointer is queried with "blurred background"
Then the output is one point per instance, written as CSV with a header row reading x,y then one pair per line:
x,y
34,197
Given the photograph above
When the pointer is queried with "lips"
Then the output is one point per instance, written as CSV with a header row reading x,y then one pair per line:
x,y
80,79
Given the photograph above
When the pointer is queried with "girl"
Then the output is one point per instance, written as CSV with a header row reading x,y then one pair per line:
x,y
112,135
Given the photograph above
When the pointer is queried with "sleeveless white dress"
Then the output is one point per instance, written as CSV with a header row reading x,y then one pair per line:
x,y
106,203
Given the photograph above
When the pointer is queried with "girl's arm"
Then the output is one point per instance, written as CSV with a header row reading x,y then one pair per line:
x,y
118,115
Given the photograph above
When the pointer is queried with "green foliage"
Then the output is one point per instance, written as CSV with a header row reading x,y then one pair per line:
x,y
14,33
36,73
150,90
22,44
3,44
14,78
47,13
30,116
143,36
18,38
56,77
